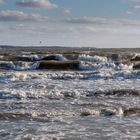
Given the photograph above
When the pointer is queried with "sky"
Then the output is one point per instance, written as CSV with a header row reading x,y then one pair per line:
x,y
86,23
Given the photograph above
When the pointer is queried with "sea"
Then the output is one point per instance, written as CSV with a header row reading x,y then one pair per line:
x,y
69,93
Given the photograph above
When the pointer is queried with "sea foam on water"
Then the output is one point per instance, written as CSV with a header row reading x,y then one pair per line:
x,y
46,93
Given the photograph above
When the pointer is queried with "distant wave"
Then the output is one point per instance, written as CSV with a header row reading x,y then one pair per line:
x,y
70,61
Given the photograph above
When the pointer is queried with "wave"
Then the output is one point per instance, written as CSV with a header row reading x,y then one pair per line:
x,y
71,62
62,65
27,58
59,94
135,57
89,58
69,75
13,116
24,115
35,57
50,116
45,117
107,112
120,92
66,65
56,57
19,65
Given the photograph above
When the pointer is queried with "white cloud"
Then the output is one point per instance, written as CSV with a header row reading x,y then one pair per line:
x,y
129,12
135,1
98,20
135,9
40,29
67,11
92,29
36,4
10,15
109,30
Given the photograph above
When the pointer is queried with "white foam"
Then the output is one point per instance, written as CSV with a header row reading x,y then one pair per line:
x,y
33,57
19,76
89,58
55,94
123,67
20,65
1,56
136,55
20,85
59,57
25,65
6,64
96,66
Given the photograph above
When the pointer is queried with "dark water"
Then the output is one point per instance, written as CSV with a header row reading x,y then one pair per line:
x,y
69,93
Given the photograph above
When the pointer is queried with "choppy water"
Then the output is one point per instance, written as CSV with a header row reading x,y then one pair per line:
x,y
69,94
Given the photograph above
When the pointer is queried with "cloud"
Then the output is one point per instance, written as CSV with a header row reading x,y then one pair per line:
x,y
129,12
2,29
2,1
40,29
135,9
67,11
10,15
98,20
135,1
36,4
109,30
91,29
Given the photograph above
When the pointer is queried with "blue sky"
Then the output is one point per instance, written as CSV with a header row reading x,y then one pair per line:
x,y
97,23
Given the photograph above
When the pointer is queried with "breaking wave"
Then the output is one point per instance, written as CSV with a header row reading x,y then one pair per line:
x,y
59,62
19,65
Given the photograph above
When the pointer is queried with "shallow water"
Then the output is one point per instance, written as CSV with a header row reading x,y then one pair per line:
x,y
98,100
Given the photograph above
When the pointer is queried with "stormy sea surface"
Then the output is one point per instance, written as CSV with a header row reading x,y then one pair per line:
x,y
58,93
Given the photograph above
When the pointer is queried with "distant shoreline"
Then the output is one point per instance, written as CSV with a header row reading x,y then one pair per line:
x,y
62,49
71,47
3,46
